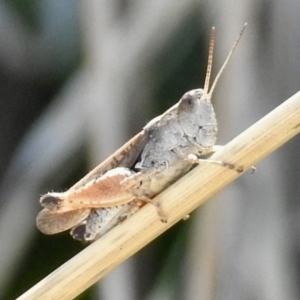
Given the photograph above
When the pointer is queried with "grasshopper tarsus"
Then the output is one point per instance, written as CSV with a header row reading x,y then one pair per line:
x,y
253,170
186,217
157,204
240,169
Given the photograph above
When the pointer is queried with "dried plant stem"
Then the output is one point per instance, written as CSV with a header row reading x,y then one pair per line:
x,y
91,264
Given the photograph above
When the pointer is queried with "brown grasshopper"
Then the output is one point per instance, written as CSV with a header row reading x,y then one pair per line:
x,y
167,148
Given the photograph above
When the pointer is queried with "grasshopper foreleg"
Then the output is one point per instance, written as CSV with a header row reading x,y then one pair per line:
x,y
194,159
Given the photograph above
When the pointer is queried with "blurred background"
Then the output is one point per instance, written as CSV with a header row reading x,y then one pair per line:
x,y
79,78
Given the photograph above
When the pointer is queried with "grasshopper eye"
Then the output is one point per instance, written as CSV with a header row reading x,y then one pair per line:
x,y
187,104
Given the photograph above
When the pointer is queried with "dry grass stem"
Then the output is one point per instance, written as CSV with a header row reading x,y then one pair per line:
x,y
91,264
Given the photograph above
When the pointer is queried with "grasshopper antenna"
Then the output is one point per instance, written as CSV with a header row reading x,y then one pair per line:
x,y
224,64
210,60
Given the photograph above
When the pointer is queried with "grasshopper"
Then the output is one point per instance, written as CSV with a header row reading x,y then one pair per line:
x,y
168,147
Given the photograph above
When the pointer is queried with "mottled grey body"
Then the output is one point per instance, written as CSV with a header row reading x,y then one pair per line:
x,y
189,127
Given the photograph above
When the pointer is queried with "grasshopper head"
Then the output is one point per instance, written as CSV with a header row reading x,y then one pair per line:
x,y
195,111
197,117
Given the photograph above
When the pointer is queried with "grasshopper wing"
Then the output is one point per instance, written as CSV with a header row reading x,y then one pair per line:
x,y
51,222
125,156
101,187
57,217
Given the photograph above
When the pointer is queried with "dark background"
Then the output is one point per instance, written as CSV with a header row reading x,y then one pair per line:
x,y
77,79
